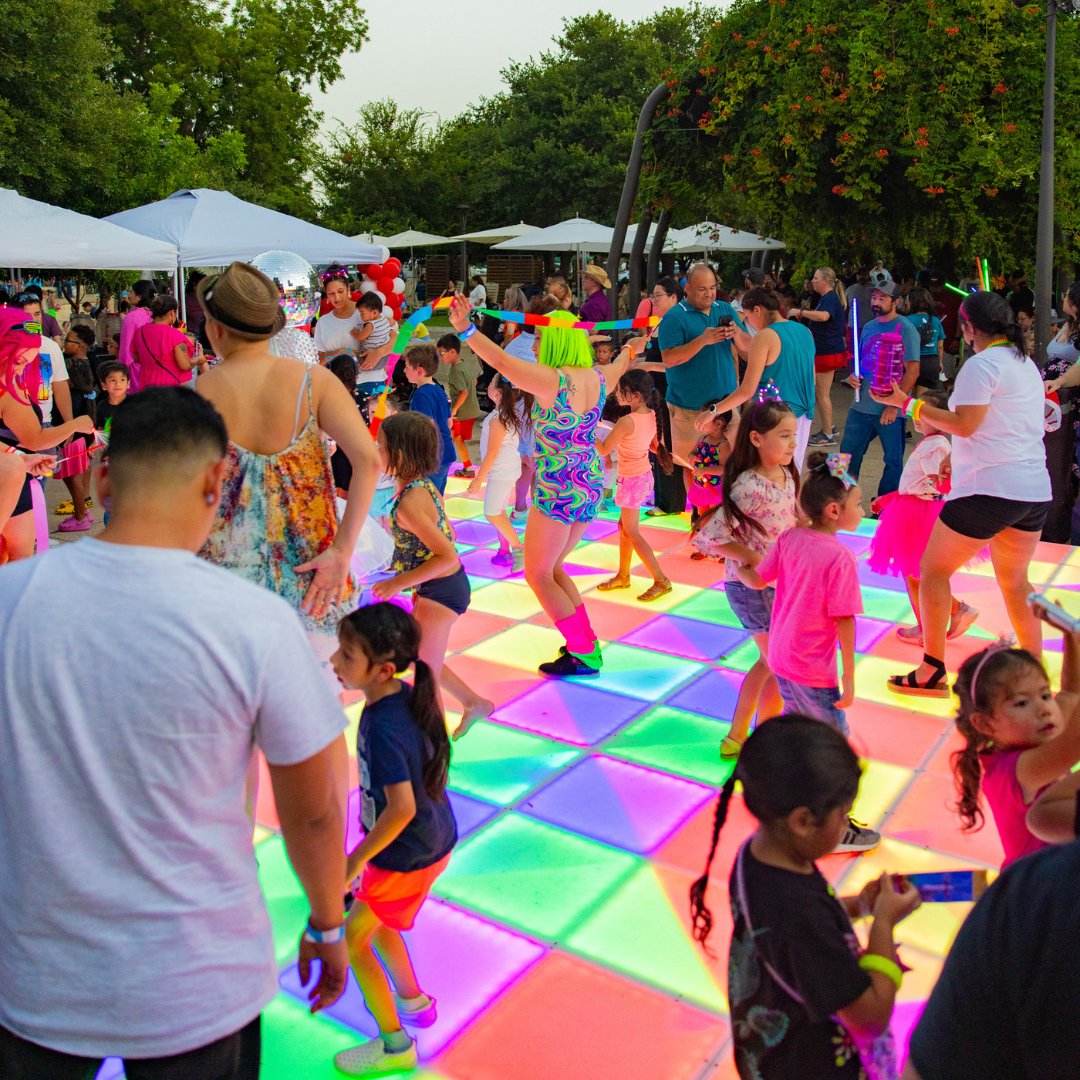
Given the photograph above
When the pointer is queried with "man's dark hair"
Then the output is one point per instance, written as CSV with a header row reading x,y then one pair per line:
x,y
84,333
161,429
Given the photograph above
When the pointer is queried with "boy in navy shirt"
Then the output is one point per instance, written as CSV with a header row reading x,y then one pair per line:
x,y
421,363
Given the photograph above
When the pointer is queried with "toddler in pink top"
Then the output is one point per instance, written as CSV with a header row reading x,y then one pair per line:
x,y
817,596
1019,738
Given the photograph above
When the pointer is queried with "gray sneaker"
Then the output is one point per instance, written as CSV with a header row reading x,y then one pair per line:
x,y
821,439
857,838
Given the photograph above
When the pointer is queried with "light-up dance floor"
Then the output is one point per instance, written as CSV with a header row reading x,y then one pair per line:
x,y
557,942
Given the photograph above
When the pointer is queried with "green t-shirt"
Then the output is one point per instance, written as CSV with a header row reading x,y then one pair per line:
x,y
463,376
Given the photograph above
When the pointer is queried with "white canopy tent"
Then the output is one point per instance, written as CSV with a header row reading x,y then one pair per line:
x,y
37,234
213,228
575,234
371,238
711,236
411,238
494,236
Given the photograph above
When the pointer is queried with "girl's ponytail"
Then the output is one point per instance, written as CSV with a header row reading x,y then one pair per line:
x,y
663,454
701,919
428,716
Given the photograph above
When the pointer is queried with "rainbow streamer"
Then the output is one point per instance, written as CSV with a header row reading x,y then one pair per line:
x,y
546,320
855,342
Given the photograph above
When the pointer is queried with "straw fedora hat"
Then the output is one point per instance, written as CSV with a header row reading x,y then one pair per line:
x,y
244,300
597,273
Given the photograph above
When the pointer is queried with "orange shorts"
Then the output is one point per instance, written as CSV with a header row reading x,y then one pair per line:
x,y
462,429
395,896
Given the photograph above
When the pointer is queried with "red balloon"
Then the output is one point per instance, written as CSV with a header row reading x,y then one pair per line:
x,y
354,297
373,271
385,285
391,268
324,306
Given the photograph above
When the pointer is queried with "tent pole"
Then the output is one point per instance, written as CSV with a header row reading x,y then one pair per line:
x,y
180,291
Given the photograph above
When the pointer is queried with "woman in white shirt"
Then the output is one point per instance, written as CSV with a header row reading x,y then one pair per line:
x,y
334,330
1000,485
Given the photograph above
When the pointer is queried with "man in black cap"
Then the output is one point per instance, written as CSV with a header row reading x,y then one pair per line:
x,y
1020,295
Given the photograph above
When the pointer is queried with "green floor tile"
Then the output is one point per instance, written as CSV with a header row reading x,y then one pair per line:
x,y
297,1045
710,605
743,658
676,742
886,604
533,876
501,764
639,933
284,898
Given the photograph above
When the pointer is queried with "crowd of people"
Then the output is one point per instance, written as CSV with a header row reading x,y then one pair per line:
x,y
240,483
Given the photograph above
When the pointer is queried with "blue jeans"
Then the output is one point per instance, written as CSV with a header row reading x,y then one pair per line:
x,y
439,479
860,431
818,702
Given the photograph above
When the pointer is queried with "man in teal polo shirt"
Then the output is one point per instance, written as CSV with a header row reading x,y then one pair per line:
x,y
698,358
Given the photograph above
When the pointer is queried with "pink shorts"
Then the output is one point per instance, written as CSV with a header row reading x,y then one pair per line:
x,y
632,492
395,896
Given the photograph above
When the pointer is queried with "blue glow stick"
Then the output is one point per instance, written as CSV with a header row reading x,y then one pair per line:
x,y
855,342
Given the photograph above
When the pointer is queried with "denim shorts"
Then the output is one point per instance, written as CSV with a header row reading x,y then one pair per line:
x,y
818,702
753,607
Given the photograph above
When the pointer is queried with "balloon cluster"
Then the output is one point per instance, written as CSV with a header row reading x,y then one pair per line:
x,y
383,280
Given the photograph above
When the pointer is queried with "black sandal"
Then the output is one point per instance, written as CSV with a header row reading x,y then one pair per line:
x,y
936,686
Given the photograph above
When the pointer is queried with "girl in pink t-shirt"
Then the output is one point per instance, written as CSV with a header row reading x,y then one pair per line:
x,y
1019,738
161,354
817,596
634,436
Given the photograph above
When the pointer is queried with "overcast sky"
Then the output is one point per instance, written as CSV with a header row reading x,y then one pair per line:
x,y
440,57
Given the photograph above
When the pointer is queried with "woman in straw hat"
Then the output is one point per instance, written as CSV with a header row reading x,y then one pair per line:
x,y
277,524
595,283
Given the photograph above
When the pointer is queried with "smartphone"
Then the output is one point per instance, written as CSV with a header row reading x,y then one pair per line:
x,y
947,886
725,320
1054,614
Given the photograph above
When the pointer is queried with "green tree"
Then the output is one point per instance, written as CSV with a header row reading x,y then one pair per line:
x,y
376,174
906,130
244,68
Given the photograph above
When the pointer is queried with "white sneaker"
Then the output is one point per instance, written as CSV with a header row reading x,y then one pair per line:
x,y
857,838
420,1013
373,1059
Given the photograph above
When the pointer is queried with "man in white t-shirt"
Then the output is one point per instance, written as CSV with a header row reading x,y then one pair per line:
x,y
130,910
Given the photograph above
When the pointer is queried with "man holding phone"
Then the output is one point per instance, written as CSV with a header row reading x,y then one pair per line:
x,y
695,339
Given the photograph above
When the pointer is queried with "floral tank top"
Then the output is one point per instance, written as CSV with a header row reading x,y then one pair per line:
x,y
278,511
409,553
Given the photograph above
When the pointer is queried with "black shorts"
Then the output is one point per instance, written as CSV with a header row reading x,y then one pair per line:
x,y
453,592
984,516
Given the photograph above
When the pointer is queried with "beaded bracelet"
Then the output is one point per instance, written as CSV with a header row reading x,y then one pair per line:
x,y
883,966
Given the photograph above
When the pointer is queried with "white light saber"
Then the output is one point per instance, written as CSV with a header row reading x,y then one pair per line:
x,y
855,342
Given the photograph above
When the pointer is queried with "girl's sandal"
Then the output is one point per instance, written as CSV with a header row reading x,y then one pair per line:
x,y
613,583
730,748
655,591
936,686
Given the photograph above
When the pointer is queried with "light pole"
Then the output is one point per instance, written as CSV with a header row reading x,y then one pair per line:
x,y
464,208
1044,232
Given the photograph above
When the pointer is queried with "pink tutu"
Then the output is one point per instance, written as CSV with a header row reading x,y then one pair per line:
x,y
702,497
902,535
76,460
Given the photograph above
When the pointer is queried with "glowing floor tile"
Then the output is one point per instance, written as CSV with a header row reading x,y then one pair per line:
x,y
671,522
459,509
690,638
533,876
523,646
709,605
644,930
499,682
640,673
461,960
597,530
712,694
640,582
478,565
879,788
500,764
887,604
475,531
618,803
633,1033
508,599
893,734
470,813
927,817
872,674
867,631
285,899
743,657
297,1044
854,542
570,711
473,627
676,742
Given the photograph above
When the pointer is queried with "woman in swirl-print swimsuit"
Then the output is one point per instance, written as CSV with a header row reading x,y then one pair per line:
x,y
569,396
